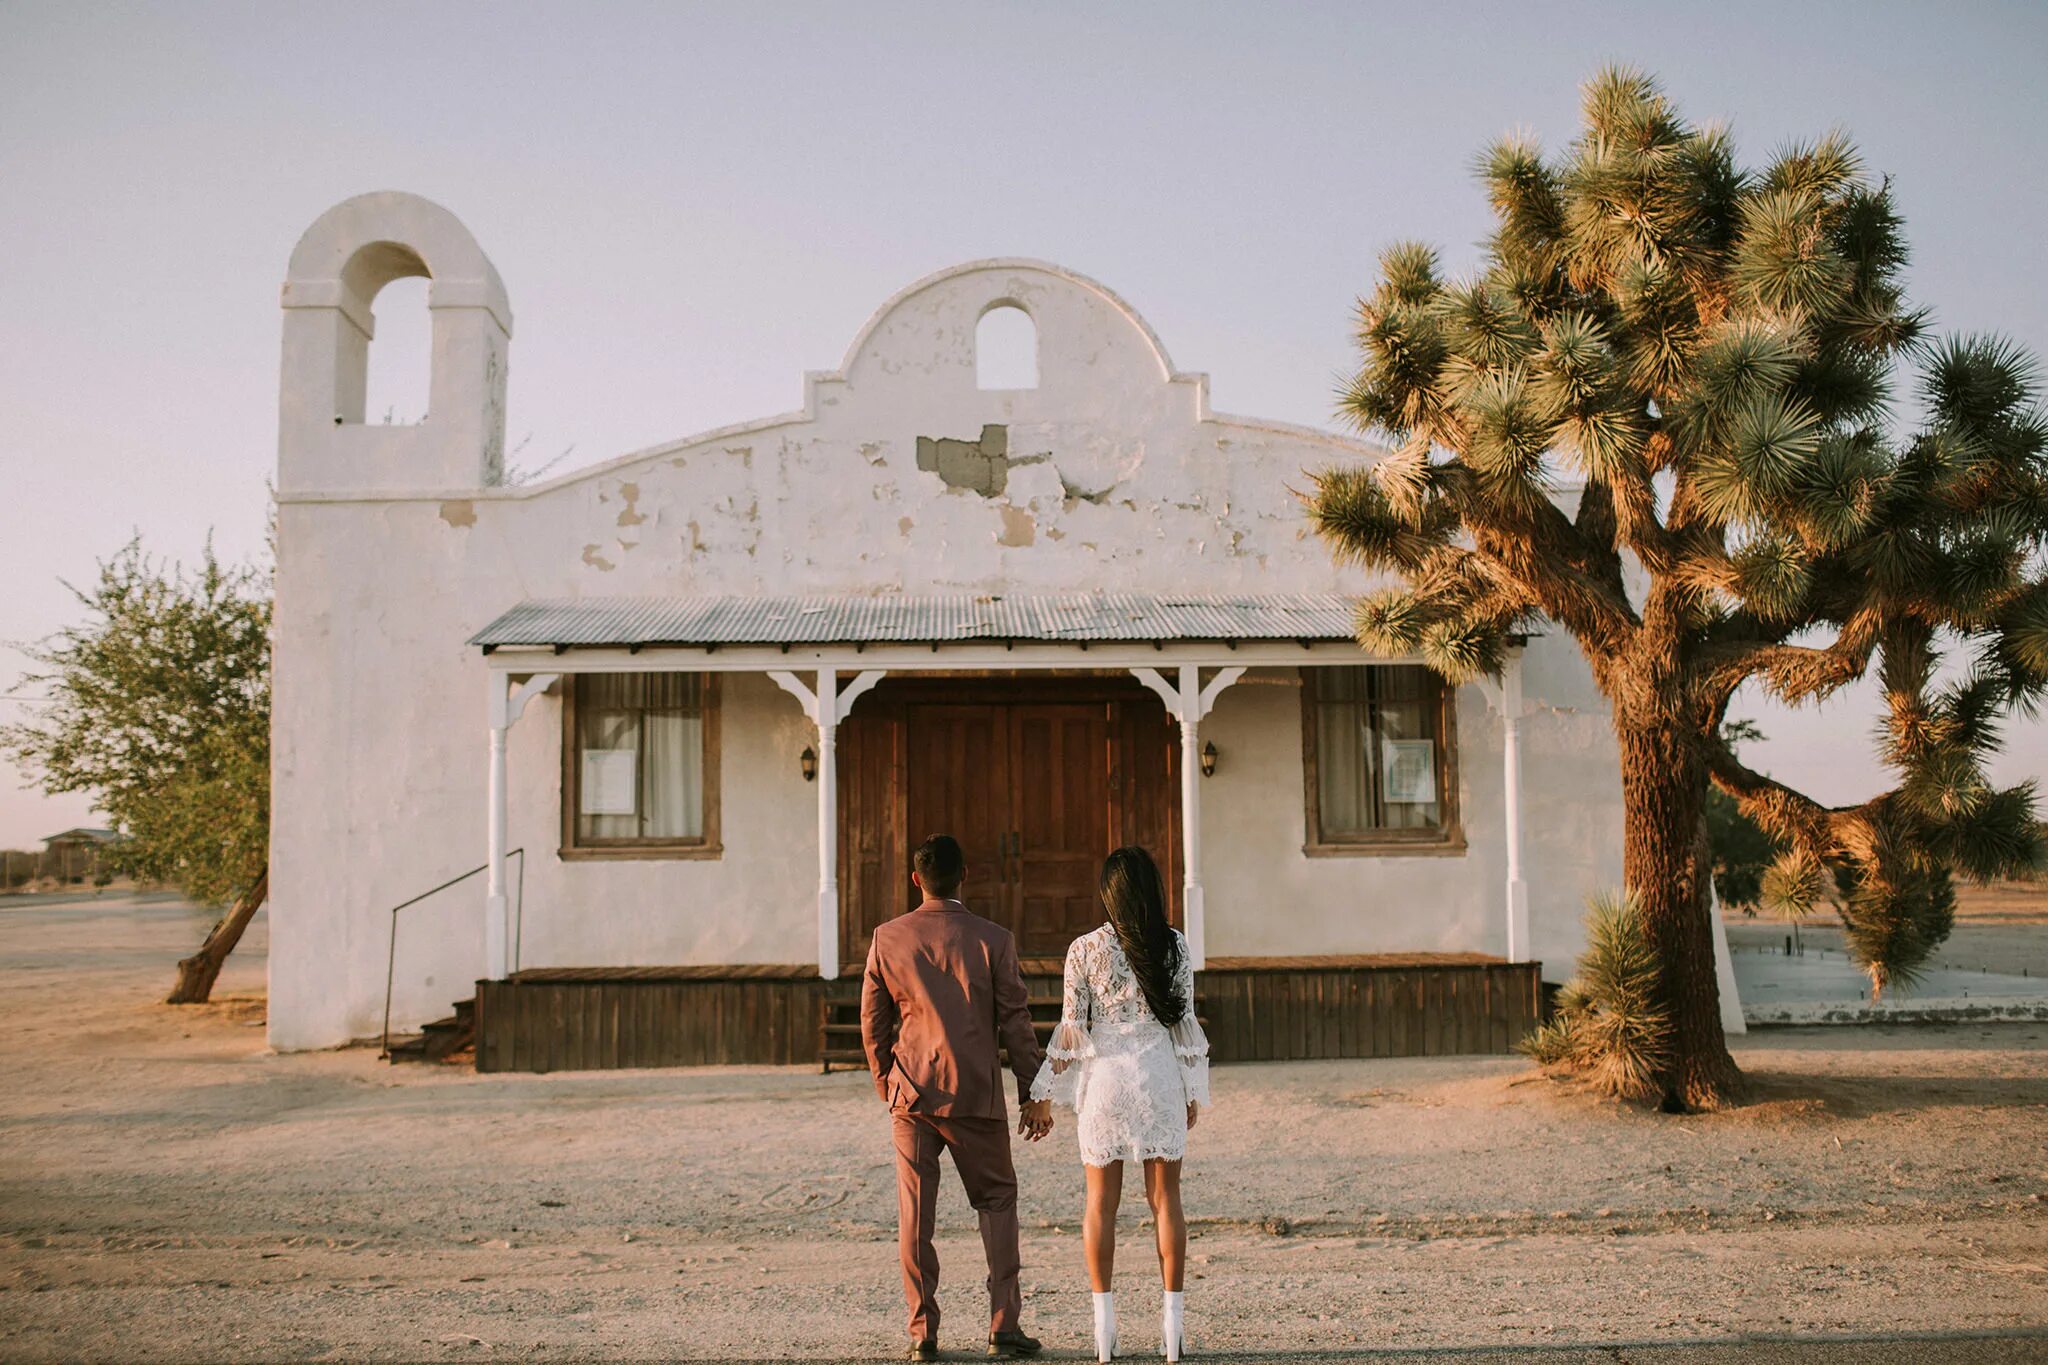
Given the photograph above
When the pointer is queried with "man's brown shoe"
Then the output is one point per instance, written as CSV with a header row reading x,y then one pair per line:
x,y
1010,1345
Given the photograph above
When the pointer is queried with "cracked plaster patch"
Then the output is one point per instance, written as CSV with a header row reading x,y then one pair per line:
x,y
1020,528
980,466
630,514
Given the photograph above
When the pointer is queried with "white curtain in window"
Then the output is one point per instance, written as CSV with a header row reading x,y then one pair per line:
x,y
672,805
1343,766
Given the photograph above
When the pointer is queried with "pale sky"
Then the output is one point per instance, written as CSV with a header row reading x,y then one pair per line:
x,y
691,205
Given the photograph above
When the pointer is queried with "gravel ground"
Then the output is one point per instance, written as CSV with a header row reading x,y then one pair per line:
x,y
174,1192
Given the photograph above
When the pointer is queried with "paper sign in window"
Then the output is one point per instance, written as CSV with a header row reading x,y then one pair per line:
x,y
1408,772
611,781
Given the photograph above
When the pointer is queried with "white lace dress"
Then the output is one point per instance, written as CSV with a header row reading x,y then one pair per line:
x,y
1127,1077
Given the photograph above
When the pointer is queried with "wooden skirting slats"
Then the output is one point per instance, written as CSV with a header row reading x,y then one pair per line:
x,y
1265,1014
1257,1009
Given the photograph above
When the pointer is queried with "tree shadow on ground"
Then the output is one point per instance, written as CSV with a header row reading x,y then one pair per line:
x,y
1779,1093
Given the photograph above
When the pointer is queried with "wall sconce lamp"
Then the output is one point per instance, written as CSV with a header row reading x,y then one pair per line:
x,y
1209,759
808,761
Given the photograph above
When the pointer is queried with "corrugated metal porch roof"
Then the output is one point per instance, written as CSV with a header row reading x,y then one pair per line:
x,y
838,619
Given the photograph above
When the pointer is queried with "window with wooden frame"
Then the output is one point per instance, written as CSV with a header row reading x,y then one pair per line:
x,y
1379,760
640,766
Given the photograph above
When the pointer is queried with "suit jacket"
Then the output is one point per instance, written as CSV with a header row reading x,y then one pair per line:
x,y
942,989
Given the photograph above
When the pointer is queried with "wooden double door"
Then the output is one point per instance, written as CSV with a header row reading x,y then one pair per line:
x,y
1037,778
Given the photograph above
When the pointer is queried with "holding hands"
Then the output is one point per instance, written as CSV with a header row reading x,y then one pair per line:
x,y
1036,1119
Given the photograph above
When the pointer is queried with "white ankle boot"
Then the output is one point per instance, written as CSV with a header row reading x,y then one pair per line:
x,y
1105,1327
1170,1331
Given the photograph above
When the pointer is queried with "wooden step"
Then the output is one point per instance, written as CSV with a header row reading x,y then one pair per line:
x,y
1043,1026
839,1028
441,1040
850,1009
854,1059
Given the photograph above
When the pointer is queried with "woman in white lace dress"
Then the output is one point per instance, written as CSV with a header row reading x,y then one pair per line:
x,y
1129,1057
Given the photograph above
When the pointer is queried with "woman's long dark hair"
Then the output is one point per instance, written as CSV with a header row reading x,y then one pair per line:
x,y
1136,901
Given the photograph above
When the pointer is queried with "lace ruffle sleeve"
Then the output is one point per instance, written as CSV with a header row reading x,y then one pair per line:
x,y
1190,1044
1070,1044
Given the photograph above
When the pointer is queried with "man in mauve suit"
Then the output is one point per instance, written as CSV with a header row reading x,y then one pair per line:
x,y
943,989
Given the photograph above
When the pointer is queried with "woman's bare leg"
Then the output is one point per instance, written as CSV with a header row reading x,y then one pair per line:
x,y
1098,1222
1162,1192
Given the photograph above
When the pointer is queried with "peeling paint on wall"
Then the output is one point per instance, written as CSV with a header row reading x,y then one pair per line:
x,y
462,513
1020,528
630,514
981,466
596,560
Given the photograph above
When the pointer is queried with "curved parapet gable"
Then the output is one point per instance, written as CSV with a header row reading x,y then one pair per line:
x,y
341,263
927,329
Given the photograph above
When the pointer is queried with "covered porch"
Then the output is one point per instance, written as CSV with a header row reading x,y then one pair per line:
x,y
1042,730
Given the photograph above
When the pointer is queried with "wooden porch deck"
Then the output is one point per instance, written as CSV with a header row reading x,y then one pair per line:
x,y
1256,1008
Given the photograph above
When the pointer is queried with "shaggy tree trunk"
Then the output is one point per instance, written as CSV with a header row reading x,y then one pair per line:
x,y
1666,866
196,973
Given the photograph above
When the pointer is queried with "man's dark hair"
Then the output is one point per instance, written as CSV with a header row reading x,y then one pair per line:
x,y
940,864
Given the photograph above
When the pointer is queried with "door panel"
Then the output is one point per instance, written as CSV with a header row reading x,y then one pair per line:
x,y
957,771
1147,787
1060,824
872,878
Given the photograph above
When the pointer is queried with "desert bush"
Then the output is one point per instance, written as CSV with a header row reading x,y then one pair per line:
x,y
1609,1026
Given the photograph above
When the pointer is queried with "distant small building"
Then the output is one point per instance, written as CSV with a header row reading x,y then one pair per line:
x,y
74,855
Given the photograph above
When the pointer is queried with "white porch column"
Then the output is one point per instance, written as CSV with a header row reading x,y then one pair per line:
x,y
1191,814
496,938
1188,704
1511,783
827,717
826,705
507,702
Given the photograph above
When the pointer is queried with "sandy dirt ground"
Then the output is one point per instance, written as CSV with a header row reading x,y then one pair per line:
x,y
171,1191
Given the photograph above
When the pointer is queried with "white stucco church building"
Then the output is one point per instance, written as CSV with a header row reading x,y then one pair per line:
x,y
681,715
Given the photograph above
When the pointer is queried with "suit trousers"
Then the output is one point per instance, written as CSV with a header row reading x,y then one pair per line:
x,y
981,1154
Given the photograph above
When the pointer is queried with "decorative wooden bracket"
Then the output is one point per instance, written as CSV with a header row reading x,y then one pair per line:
x,y
1205,697
807,697
509,704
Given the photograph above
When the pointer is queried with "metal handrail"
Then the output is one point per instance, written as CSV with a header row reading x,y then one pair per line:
x,y
391,953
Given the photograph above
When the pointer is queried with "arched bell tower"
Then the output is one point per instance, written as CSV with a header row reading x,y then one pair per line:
x,y
350,253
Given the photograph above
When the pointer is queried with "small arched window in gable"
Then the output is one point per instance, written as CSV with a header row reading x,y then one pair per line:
x,y
401,360
1006,349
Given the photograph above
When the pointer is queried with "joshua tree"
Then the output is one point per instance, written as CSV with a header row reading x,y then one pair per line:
x,y
1656,420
